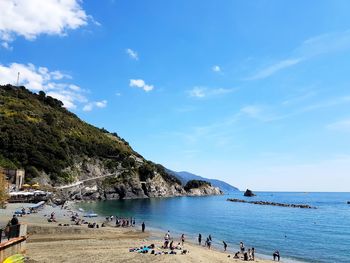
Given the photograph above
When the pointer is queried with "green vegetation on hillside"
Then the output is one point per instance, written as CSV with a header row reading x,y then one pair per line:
x,y
196,184
37,133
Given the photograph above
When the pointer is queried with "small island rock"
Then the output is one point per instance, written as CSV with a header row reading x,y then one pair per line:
x,y
249,193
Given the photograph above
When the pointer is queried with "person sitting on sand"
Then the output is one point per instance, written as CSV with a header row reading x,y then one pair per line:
x,y
178,246
200,239
245,256
225,245
236,255
276,255
166,243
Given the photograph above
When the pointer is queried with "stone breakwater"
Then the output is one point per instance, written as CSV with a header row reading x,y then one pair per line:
x,y
271,203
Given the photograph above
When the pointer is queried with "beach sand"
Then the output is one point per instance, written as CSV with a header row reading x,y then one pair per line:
x,y
48,242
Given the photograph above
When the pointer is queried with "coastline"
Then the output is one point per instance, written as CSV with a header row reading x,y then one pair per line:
x,y
72,243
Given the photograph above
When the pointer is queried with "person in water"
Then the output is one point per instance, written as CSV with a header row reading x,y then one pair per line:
x,y
143,226
276,255
225,245
200,239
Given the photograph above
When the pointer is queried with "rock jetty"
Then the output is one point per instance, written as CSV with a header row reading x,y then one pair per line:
x,y
271,203
249,193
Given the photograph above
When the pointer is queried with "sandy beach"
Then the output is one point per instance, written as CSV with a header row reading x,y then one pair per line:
x,y
48,242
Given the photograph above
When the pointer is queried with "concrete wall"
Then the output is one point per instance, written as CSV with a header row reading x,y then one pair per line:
x,y
15,245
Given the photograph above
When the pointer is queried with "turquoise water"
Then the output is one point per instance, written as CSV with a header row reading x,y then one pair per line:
x,y
307,235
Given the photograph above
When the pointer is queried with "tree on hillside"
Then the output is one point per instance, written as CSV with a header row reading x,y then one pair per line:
x,y
3,190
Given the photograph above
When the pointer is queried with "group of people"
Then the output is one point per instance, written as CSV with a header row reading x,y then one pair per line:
x,y
169,242
207,243
247,254
124,222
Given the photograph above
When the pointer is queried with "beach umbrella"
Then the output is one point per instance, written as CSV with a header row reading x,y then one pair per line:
x,y
36,185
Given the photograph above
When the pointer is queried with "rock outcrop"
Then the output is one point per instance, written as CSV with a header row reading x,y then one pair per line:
x,y
205,190
249,193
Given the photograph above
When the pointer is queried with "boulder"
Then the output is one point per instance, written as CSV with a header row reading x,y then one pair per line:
x,y
249,193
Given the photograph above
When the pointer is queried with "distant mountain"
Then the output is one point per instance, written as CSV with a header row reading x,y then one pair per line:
x,y
184,177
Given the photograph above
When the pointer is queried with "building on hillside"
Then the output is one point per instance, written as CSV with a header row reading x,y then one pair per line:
x,y
15,177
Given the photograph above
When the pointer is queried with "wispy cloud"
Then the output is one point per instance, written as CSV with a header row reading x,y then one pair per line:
x,y
342,125
91,105
33,18
132,54
216,68
204,92
272,69
55,83
140,83
315,46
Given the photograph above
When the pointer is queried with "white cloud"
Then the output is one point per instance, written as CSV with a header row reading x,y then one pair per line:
x,y
270,70
30,19
216,68
252,111
53,83
204,92
343,125
197,92
91,105
140,83
132,54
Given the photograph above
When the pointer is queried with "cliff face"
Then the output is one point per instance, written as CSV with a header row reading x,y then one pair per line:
x,y
80,161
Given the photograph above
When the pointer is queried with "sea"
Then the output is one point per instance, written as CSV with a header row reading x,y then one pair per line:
x,y
300,235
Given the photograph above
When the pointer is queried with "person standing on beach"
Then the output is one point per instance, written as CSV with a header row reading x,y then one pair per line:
x,y
241,245
143,226
209,237
182,239
276,255
225,245
200,239
208,242
253,252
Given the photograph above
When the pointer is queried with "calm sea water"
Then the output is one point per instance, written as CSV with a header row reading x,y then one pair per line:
x,y
306,235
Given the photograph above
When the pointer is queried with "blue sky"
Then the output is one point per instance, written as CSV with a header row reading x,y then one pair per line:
x,y
255,93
